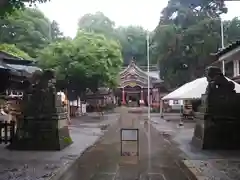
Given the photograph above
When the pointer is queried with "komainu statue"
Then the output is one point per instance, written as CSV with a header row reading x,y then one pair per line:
x,y
217,82
220,94
44,124
217,126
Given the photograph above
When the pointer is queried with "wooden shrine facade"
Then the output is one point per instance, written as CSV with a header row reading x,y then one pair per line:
x,y
133,86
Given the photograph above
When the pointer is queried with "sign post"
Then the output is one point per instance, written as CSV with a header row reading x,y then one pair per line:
x,y
129,142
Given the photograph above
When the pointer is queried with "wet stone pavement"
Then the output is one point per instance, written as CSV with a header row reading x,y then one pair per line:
x,y
51,165
214,169
103,161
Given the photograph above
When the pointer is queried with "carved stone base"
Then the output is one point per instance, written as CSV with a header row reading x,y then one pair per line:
x,y
221,135
53,135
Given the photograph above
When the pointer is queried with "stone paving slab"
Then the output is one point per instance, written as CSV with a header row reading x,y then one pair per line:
x,y
103,160
231,168
44,165
30,170
200,164
214,169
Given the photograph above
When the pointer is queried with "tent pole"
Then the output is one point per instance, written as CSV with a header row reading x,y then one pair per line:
x,y
161,108
181,111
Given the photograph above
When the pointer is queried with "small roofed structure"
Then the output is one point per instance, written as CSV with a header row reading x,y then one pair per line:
x,y
103,97
14,71
230,56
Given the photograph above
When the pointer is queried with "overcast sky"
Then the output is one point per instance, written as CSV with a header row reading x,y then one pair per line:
x,y
145,13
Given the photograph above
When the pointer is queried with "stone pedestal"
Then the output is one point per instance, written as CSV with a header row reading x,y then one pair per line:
x,y
221,135
218,124
43,124
39,134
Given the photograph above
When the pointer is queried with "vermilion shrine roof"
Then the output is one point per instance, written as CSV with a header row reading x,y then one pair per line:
x,y
132,68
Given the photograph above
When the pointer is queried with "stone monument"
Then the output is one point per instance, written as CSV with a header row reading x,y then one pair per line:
x,y
43,122
218,123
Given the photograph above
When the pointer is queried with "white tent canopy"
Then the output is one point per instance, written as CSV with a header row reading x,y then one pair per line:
x,y
193,90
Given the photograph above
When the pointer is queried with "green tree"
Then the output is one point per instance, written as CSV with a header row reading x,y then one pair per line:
x,y
13,50
133,42
131,38
88,61
186,36
185,12
55,33
8,6
97,23
30,30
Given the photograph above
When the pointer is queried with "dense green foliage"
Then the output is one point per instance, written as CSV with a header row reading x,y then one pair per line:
x,y
131,38
30,30
13,50
95,56
187,35
8,6
88,61
133,41
188,31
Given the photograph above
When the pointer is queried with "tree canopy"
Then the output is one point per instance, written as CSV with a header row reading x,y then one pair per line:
x,y
30,30
187,33
88,61
8,6
131,38
97,23
133,41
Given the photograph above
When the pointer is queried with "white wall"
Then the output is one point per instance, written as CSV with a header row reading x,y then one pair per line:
x,y
171,103
175,106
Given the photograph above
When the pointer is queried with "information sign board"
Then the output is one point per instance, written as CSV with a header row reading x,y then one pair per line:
x,y
129,134
129,142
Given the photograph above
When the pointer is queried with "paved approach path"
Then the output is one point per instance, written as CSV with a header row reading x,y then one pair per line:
x,y
103,161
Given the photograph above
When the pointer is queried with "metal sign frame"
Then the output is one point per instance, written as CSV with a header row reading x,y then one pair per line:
x,y
129,140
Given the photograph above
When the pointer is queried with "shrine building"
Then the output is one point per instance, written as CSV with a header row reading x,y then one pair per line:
x,y
133,85
230,57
